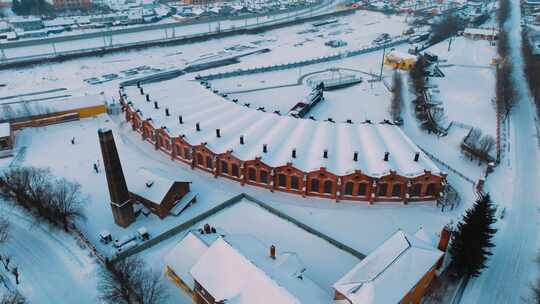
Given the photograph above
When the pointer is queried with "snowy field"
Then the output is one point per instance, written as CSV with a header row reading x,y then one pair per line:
x,y
468,88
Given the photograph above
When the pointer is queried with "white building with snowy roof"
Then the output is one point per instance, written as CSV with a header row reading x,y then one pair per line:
x,y
239,269
399,271
365,161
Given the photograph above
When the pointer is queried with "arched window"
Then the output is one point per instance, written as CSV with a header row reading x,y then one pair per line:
x,y
235,170
199,159
328,185
224,167
415,190
362,189
349,188
396,190
252,174
264,177
430,191
294,182
383,189
314,185
209,162
282,180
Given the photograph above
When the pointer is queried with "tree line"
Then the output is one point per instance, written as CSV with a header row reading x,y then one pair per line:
x,y
32,7
58,201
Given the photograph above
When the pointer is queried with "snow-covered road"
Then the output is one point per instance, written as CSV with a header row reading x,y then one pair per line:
x,y
53,269
515,186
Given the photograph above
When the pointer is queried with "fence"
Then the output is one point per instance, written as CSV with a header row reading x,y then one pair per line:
x,y
292,65
228,203
448,167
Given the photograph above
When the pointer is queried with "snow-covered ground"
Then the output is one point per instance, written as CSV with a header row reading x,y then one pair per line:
x,y
468,88
53,267
465,92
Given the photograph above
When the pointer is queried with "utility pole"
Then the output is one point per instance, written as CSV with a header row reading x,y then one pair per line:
x,y
382,62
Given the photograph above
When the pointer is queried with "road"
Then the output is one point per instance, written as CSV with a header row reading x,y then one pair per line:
x,y
515,185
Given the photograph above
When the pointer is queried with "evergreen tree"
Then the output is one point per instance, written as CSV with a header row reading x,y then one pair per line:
x,y
16,7
471,244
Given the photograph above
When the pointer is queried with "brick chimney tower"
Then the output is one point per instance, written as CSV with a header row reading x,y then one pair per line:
x,y
121,204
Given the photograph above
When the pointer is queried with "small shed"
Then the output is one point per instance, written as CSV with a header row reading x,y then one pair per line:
x,y
157,193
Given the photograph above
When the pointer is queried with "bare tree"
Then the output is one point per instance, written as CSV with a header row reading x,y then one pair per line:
x,y
397,97
129,281
56,200
4,230
13,298
67,202
486,145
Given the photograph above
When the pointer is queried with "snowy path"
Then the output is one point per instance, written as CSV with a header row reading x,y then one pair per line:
x,y
515,186
53,268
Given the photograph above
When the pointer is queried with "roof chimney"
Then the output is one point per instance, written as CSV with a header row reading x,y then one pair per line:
x,y
167,112
180,120
325,153
218,133
156,106
416,156
293,153
355,156
198,126
147,97
142,91
242,139
273,252
445,239
349,121
265,148
386,155
207,228
138,84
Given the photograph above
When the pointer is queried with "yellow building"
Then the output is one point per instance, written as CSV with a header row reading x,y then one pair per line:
x,y
398,60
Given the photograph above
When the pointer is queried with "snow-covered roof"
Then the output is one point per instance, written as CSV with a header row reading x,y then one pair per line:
x,y
148,185
25,108
481,31
184,255
250,276
5,130
390,272
281,134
